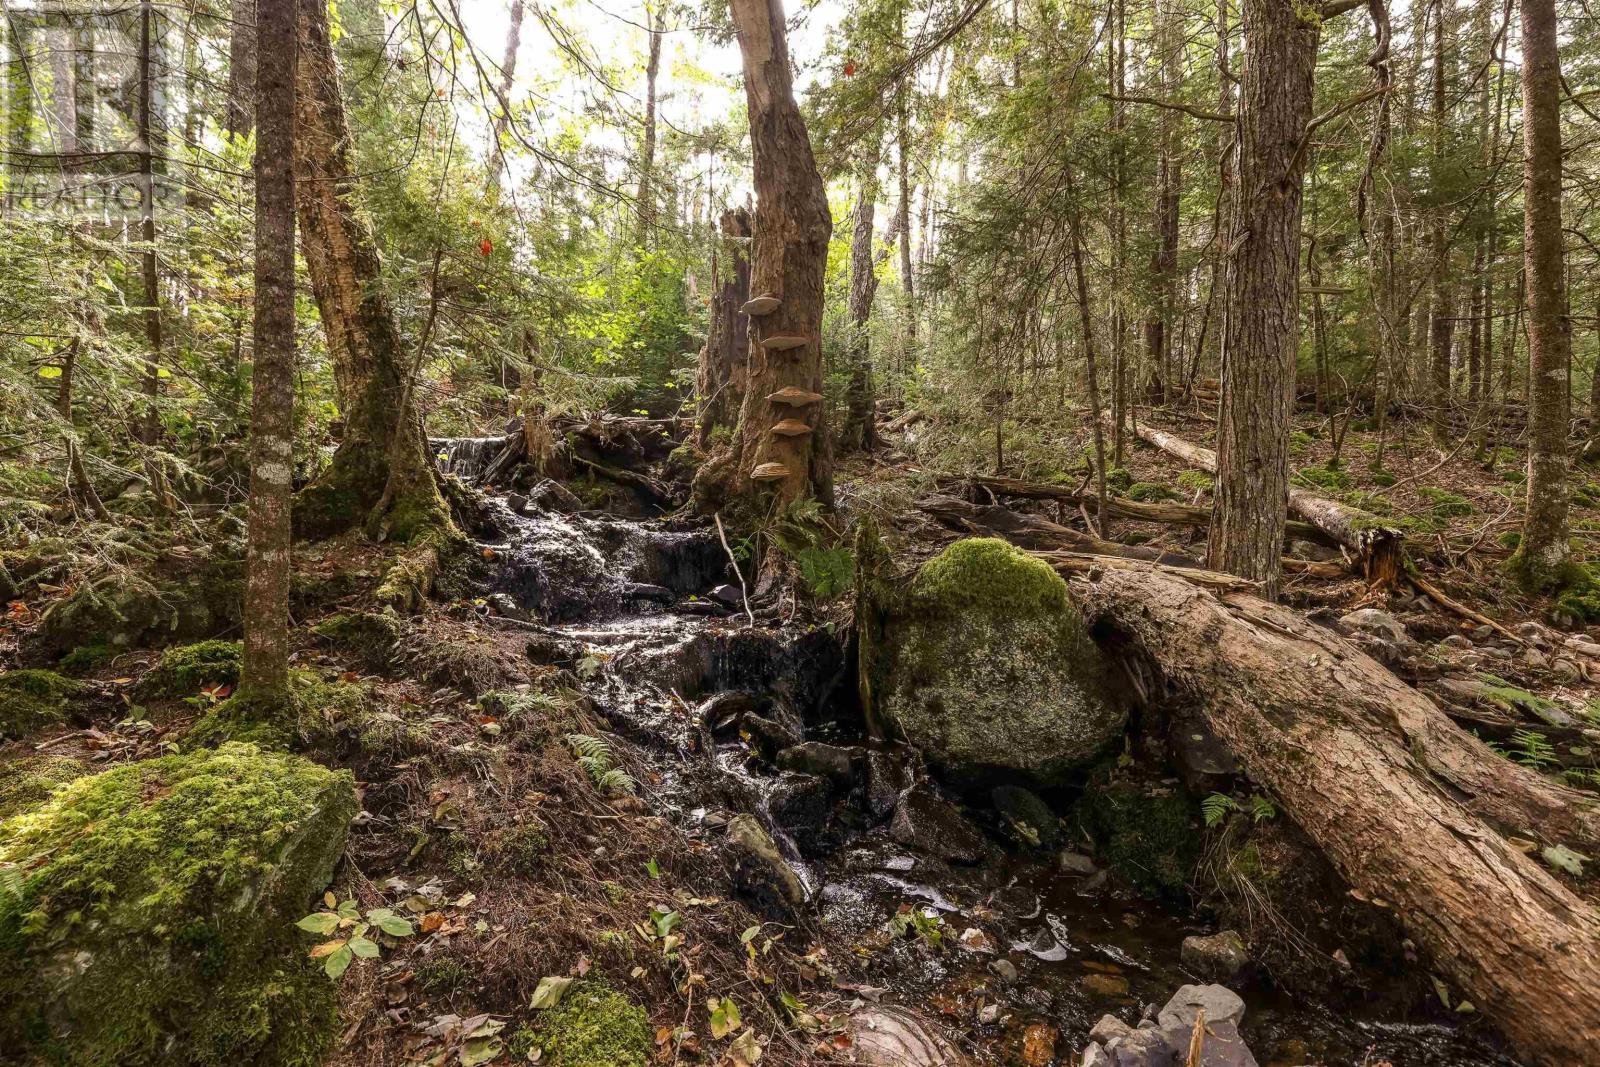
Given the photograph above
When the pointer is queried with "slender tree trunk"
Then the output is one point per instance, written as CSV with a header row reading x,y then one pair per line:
x,y
1169,177
1441,318
907,283
782,440
859,430
150,431
1258,358
508,74
1086,322
647,151
370,368
720,378
264,668
239,116
1543,556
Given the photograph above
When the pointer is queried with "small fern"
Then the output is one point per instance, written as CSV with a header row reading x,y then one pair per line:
x,y
594,756
11,884
1217,807
1532,749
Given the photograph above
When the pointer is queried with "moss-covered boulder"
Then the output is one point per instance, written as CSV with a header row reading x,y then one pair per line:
x,y
984,664
148,913
28,781
192,598
33,700
184,670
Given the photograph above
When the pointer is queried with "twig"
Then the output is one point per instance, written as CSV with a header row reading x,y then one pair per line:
x,y
744,594
1434,593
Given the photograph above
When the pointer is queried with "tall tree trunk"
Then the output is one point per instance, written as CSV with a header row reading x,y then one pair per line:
x,y
1442,313
1261,339
647,151
908,291
508,74
720,378
792,228
243,48
1543,557
1169,176
264,668
369,362
1117,61
860,429
150,431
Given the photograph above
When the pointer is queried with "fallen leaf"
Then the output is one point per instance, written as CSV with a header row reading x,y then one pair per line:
x,y
549,992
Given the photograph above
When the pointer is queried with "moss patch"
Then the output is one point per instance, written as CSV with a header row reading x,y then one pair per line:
x,y
317,711
367,635
30,780
168,888
33,700
1145,831
86,658
592,1026
184,670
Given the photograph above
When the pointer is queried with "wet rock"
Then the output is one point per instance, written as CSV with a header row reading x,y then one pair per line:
x,y
723,711
1004,970
1109,1028
1219,955
758,867
553,496
1105,985
1026,816
505,606
886,1036
1456,642
834,762
1202,760
984,664
1375,623
932,825
1221,1005
975,940
517,503
1075,863
769,736
552,651
800,804
728,596
889,775
658,594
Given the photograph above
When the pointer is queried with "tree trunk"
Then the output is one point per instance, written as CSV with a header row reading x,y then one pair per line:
x,y
1262,332
647,151
368,354
907,284
859,431
151,141
1169,178
720,377
508,74
1404,803
242,51
1543,557
1442,313
264,668
792,227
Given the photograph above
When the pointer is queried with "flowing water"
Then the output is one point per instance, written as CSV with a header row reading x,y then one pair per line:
x,y
628,602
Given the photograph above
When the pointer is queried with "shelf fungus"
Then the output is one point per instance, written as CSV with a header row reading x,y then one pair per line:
x,y
783,342
761,305
794,396
770,472
791,428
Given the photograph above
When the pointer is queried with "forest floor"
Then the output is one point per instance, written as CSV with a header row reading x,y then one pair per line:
x,y
523,851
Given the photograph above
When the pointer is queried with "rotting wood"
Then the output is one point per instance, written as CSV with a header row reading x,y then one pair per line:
x,y
1403,802
1379,548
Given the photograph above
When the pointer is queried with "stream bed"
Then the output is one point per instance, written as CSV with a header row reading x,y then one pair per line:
x,y
634,608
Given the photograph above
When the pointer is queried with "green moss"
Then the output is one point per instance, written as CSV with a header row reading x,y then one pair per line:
x,y
32,700
592,1026
184,670
1119,478
130,609
28,781
1446,505
166,890
369,635
86,658
1150,492
1573,583
1197,481
445,975
318,710
1321,478
1382,478
988,574
1299,441
523,850
1146,832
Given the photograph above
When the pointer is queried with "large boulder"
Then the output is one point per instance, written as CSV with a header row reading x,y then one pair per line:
x,y
983,662
147,913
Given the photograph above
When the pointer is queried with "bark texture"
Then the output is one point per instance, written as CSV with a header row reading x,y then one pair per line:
x,y
1404,803
368,355
242,52
720,377
860,427
792,227
264,668
1262,332
1543,554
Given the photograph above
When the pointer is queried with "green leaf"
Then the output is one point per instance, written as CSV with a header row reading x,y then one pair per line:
x,y
367,950
549,993
49,372
390,923
479,1050
653,869
724,1018
319,922
338,963
749,935
348,910
665,921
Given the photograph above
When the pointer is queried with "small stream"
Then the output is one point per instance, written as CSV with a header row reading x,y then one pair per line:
x,y
629,604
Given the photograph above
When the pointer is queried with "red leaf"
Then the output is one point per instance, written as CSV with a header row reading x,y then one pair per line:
x,y
485,246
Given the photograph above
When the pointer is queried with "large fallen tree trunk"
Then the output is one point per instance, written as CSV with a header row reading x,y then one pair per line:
x,y
1405,804
1379,548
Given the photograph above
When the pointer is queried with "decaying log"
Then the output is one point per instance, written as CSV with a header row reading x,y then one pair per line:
x,y
1036,533
1404,803
1166,512
1379,548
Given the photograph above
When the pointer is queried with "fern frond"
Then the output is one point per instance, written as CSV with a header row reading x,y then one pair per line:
x,y
585,745
615,781
1217,807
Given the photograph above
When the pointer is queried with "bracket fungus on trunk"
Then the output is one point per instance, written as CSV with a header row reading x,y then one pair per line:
x,y
791,428
761,305
794,396
783,342
769,472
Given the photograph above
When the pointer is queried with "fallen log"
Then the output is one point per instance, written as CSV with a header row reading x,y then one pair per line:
x,y
1036,533
1166,512
1404,803
1378,548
